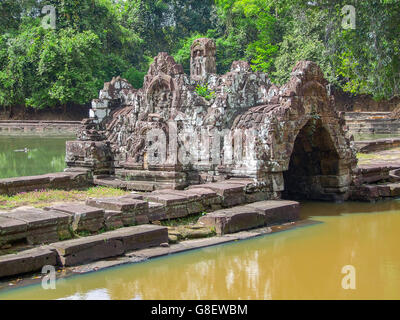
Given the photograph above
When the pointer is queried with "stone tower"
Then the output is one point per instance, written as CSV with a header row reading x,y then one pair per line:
x,y
202,61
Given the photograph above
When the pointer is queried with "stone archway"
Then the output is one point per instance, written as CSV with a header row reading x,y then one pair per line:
x,y
314,165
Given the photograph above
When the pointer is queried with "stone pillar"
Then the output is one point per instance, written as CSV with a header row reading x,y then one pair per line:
x,y
202,61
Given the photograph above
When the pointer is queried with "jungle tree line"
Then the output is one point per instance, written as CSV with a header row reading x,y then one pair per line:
x,y
95,40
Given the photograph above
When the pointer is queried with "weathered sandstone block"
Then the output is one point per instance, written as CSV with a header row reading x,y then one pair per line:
x,y
264,213
83,218
26,261
11,230
113,219
157,211
279,211
109,244
232,194
43,226
129,207
233,220
175,205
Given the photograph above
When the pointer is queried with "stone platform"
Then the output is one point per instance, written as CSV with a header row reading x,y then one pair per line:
x,y
258,214
59,180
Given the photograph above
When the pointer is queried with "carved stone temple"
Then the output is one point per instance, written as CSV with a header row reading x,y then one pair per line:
x,y
289,141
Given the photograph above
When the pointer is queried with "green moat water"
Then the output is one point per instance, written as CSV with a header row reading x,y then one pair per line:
x,y
302,263
31,155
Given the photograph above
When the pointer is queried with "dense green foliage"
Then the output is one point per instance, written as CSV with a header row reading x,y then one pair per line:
x,y
95,40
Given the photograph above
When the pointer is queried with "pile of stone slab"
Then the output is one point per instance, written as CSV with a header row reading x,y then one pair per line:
x,y
370,146
33,226
228,207
124,240
62,221
83,250
374,182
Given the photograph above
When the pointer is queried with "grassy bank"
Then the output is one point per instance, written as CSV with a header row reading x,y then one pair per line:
x,y
42,198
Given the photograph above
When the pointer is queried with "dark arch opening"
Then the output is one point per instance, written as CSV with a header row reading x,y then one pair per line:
x,y
313,166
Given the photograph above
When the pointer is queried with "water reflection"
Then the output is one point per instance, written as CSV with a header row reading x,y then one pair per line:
x,y
304,263
31,155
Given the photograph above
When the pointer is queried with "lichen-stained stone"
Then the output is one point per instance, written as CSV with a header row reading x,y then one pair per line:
x,y
370,173
194,201
263,213
43,226
175,205
3,188
157,211
87,249
209,198
365,193
232,194
167,199
233,220
276,212
59,180
140,237
136,196
11,229
113,219
15,185
124,204
394,189
27,261
84,218
109,244
129,207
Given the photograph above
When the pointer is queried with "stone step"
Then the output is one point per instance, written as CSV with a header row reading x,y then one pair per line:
x,y
232,193
57,180
175,205
180,203
41,226
27,261
12,230
109,244
258,214
374,192
83,218
132,207
157,211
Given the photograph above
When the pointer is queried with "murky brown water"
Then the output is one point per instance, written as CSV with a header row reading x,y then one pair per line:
x,y
304,263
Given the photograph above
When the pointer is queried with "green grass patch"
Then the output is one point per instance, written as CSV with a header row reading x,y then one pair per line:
x,y
43,198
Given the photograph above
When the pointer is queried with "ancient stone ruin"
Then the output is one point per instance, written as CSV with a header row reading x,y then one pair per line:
x,y
289,140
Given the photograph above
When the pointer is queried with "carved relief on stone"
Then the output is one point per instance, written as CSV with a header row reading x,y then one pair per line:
x,y
203,61
161,96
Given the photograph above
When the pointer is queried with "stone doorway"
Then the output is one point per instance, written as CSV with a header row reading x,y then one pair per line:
x,y
314,165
